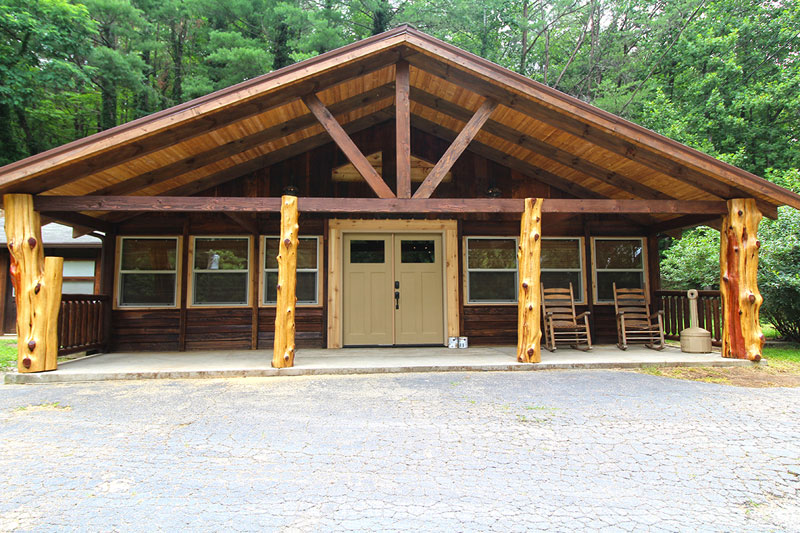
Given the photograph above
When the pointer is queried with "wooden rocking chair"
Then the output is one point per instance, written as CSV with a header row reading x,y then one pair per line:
x,y
635,323
560,321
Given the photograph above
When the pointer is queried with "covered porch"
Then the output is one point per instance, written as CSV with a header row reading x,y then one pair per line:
x,y
210,364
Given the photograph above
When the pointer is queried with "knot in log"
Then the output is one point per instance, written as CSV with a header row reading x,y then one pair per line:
x,y
758,244
287,241
752,298
535,236
725,279
741,212
32,242
524,284
530,351
736,249
32,345
37,288
26,362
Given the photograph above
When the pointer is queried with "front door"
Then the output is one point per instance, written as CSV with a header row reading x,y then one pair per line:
x,y
392,289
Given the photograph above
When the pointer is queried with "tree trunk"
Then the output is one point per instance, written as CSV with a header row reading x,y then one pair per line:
x,y
283,353
529,327
738,262
37,283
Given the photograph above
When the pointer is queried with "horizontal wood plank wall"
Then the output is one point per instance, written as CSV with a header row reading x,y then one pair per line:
x,y
145,330
310,172
309,325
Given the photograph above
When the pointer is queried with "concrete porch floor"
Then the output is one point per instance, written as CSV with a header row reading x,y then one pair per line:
x,y
256,363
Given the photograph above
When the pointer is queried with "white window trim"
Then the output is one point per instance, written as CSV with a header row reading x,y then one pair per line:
x,y
193,270
264,270
468,300
581,297
595,270
119,272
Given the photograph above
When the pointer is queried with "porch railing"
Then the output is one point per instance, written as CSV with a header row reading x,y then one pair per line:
x,y
675,305
80,323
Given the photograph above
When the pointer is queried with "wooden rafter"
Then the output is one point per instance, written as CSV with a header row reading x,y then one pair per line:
x,y
455,149
234,205
199,160
403,129
614,143
493,154
168,132
346,145
539,147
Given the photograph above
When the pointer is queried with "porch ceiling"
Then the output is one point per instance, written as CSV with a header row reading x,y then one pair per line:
x,y
538,131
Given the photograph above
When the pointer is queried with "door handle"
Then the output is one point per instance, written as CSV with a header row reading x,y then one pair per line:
x,y
397,299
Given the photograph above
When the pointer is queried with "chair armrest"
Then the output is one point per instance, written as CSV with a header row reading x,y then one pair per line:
x,y
584,314
620,313
657,314
548,314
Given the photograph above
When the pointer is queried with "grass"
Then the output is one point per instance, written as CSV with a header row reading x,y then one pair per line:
x,y
8,354
782,370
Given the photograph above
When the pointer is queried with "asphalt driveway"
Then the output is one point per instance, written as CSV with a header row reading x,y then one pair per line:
x,y
517,451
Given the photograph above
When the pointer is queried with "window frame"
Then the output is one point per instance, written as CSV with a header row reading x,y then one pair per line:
x,y
191,271
644,270
92,278
262,270
118,272
467,299
580,299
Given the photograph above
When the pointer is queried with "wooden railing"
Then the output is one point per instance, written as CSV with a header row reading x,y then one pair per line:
x,y
675,305
80,323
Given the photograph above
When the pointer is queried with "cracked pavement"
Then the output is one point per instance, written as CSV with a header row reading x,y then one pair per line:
x,y
500,451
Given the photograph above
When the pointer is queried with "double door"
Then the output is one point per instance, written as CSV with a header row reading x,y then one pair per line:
x,y
392,289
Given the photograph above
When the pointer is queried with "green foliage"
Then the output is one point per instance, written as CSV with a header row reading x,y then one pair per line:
x,y
692,262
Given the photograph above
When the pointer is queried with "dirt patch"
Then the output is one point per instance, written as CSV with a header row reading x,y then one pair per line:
x,y
774,374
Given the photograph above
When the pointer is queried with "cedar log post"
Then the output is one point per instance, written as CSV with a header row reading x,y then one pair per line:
x,y
37,283
738,263
283,354
529,327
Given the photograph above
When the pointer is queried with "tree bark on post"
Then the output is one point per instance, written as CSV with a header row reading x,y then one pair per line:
x,y
529,328
738,262
283,354
37,283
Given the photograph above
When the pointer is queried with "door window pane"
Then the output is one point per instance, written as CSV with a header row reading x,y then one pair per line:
x,y
417,252
367,251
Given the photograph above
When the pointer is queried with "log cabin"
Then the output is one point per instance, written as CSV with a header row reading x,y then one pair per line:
x,y
396,191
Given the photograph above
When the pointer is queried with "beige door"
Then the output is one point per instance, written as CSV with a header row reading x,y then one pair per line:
x,y
418,277
392,289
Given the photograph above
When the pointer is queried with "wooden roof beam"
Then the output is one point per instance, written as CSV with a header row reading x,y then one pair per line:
x,y
147,143
239,205
454,151
348,147
505,159
539,147
243,144
609,141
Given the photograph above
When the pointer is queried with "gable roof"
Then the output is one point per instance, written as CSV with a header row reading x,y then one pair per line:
x,y
536,130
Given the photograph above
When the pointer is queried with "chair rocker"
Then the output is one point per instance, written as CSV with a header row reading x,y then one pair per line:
x,y
560,322
635,323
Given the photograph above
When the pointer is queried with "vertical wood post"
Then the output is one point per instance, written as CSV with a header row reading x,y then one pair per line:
x,y
283,354
738,263
37,282
107,267
529,328
402,105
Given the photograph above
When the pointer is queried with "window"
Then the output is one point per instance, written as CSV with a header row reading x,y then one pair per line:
x,y
619,261
148,272
221,271
78,276
307,270
491,270
562,264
